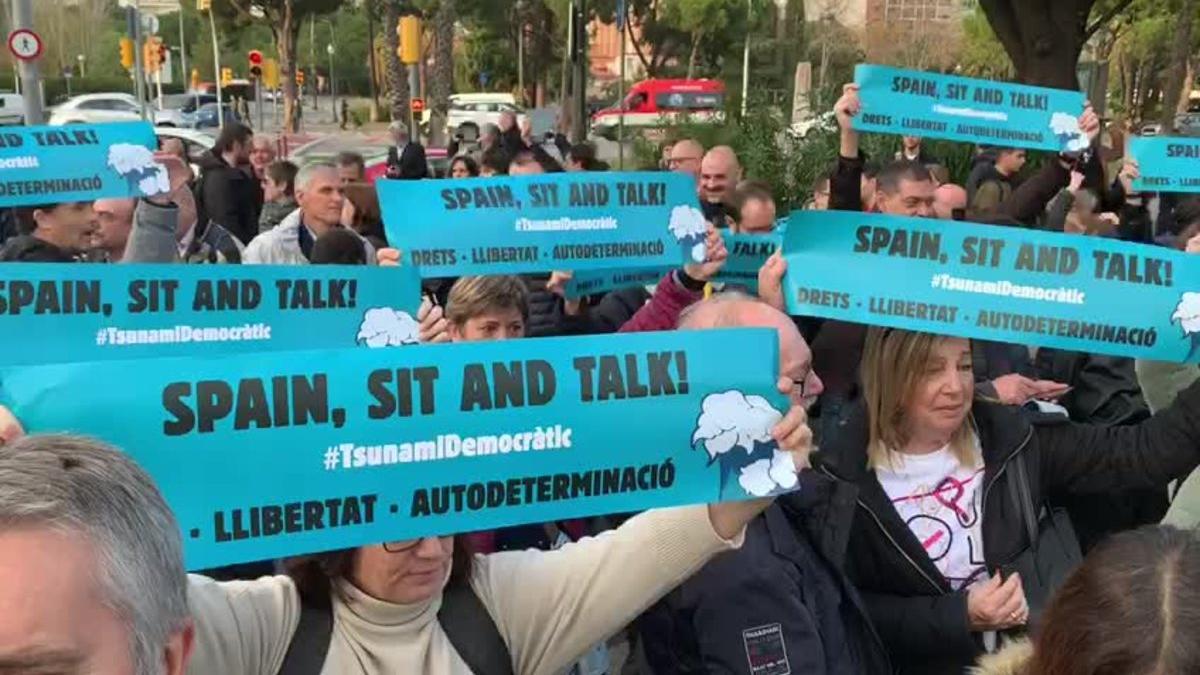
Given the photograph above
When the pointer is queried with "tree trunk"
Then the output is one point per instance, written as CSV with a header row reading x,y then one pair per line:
x,y
1185,92
286,39
443,71
691,71
394,71
1176,74
1043,39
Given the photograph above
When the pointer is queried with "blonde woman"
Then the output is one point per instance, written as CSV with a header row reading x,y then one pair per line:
x,y
938,538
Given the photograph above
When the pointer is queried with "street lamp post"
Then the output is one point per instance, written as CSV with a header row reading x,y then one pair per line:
x,y
332,83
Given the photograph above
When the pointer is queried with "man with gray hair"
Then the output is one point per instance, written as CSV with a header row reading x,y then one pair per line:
x,y
405,159
91,562
319,194
783,597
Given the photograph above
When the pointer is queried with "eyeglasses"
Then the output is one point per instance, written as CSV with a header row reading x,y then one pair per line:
x,y
400,546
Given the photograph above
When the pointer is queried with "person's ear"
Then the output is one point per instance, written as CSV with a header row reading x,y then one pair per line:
x,y
179,649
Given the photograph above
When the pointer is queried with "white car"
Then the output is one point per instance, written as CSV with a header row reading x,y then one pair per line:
x,y
12,109
195,142
479,109
93,108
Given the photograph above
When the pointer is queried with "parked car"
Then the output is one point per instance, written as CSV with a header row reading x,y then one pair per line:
x,y
1186,124
12,109
92,108
195,142
206,116
179,110
372,146
479,109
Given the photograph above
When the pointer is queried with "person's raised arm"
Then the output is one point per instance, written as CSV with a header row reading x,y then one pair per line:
x,y
845,184
1145,455
1030,198
587,590
158,219
845,109
679,289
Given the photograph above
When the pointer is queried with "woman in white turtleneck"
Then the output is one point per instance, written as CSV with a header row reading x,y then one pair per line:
x,y
548,606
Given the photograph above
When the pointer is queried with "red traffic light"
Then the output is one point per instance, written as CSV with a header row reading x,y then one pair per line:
x,y
256,57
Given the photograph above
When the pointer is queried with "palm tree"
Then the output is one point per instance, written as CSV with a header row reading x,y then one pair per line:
x,y
394,71
443,70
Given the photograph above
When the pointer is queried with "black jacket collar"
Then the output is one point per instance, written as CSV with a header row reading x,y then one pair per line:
x,y
1002,430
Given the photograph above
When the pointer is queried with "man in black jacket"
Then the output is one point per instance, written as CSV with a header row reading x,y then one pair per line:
x,y
405,159
51,233
780,603
226,193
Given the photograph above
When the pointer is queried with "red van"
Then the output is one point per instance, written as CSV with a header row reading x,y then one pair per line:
x,y
652,103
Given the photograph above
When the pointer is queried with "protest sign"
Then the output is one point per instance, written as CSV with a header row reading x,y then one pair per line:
x,y
1089,294
275,454
51,313
916,103
747,254
80,162
1166,163
567,221
603,281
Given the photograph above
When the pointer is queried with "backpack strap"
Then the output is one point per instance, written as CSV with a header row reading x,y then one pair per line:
x,y
310,643
463,619
472,632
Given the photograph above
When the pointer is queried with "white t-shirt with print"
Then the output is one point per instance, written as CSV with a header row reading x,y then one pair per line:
x,y
940,499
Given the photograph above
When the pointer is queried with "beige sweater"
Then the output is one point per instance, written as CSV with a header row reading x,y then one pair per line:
x,y
550,607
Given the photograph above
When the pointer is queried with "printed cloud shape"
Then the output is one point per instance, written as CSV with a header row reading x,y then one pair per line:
x,y
1187,313
731,420
387,327
1066,128
689,227
135,163
763,477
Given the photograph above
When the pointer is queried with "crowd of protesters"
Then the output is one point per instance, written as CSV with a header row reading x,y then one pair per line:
x,y
973,506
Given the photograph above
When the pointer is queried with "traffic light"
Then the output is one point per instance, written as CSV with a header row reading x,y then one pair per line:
x,y
195,79
300,77
203,5
256,62
270,73
226,76
152,54
409,30
126,53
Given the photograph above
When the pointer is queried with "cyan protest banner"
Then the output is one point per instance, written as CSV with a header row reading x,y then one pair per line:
x,y
51,313
80,162
916,103
1166,163
747,254
275,454
594,282
561,221
1015,285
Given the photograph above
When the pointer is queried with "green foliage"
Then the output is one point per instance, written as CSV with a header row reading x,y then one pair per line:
x,y
981,54
791,166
